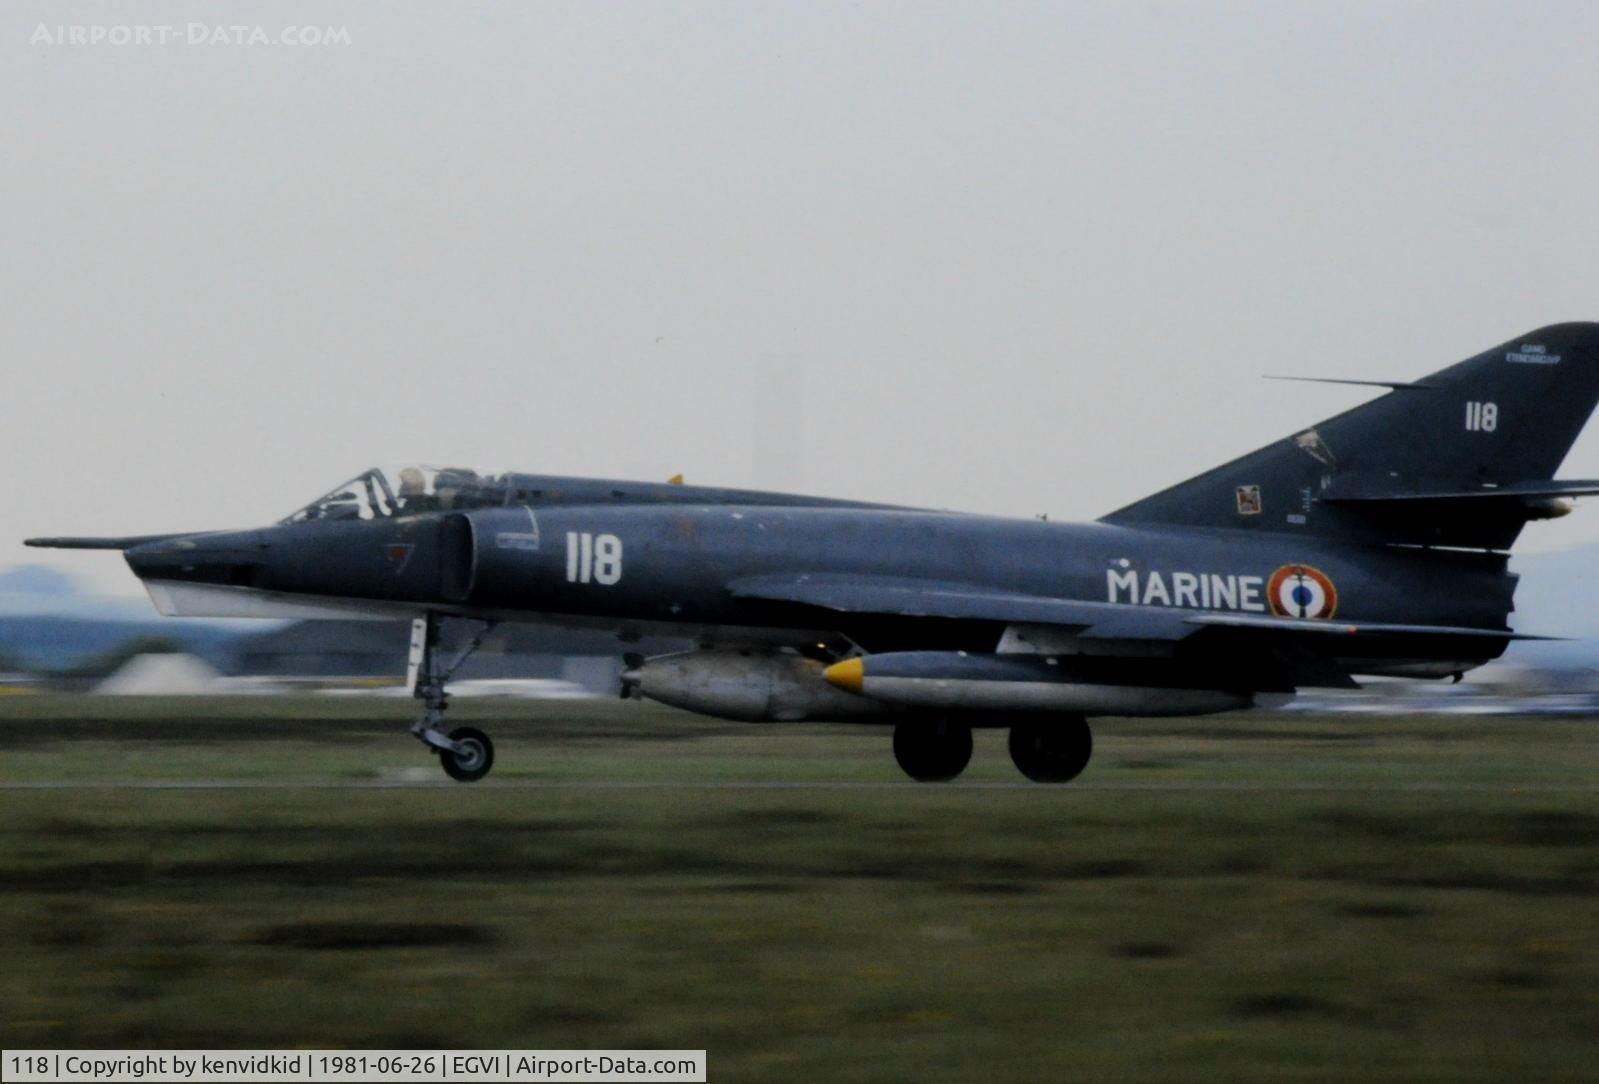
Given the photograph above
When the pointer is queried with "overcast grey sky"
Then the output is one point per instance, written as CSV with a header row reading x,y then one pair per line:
x,y
1007,258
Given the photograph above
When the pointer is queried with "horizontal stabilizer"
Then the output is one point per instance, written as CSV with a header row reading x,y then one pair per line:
x,y
1516,491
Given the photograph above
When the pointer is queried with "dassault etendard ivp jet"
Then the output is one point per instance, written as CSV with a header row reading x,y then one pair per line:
x,y
1374,543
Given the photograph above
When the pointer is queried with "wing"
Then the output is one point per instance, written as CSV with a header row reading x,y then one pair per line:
x,y
1304,647
897,597
1301,626
1098,620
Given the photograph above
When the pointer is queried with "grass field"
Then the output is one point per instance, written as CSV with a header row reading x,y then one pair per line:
x,y
1237,898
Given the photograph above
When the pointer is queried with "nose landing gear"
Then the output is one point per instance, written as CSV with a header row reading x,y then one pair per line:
x,y
471,758
466,754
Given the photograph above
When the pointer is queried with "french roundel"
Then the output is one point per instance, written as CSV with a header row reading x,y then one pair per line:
x,y
1301,591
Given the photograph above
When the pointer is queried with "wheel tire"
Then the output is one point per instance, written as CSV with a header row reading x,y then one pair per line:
x,y
473,765
1052,750
934,752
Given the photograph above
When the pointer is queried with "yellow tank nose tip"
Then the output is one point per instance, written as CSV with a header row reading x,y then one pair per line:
x,y
845,675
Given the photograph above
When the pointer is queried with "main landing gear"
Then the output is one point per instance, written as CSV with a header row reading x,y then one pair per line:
x,y
1052,750
1046,750
465,753
933,751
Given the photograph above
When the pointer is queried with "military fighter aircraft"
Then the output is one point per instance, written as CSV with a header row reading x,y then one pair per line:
x,y
1373,543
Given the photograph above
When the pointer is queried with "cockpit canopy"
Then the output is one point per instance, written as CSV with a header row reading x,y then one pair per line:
x,y
414,490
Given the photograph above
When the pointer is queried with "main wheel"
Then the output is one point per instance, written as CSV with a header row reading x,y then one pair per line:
x,y
1052,750
933,752
474,762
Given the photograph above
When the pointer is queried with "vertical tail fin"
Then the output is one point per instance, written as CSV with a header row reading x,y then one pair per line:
x,y
1414,466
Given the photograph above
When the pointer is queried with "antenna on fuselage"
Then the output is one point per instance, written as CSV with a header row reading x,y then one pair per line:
x,y
1395,385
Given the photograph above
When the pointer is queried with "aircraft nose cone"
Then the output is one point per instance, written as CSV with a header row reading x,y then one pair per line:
x,y
204,558
153,558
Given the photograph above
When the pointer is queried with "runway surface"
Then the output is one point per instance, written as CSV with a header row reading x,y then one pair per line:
x,y
1185,786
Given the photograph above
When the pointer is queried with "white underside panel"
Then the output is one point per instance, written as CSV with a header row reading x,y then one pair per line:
x,y
175,598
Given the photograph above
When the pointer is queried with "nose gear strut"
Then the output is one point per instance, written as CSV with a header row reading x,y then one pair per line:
x,y
466,754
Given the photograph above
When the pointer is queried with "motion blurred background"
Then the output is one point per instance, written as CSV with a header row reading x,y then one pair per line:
x,y
57,636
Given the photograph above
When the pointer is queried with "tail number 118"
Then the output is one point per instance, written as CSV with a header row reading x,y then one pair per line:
x,y
593,558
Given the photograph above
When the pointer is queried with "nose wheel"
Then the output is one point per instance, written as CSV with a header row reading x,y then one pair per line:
x,y
466,754
472,757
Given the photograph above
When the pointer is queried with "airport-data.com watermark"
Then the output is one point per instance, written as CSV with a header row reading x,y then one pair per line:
x,y
155,35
